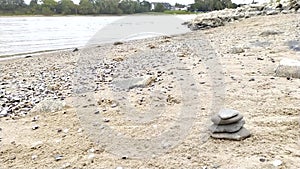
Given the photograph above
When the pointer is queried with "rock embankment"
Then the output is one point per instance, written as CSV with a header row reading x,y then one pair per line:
x,y
220,18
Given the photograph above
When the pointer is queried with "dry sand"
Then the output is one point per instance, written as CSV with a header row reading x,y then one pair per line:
x,y
270,106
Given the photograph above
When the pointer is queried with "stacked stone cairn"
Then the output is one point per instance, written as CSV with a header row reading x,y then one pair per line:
x,y
228,124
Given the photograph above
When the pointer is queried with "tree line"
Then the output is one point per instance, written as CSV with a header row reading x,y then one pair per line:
x,y
211,5
94,7
67,7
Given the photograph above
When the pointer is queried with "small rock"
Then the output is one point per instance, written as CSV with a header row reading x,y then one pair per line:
x,y
58,157
118,43
181,54
294,45
260,58
141,82
66,165
262,159
75,50
228,128
272,12
28,56
227,113
91,156
151,46
118,59
251,80
114,105
119,168
107,71
92,150
288,68
34,157
106,120
35,118
4,112
37,144
35,127
277,163
12,157
66,130
240,135
237,50
217,120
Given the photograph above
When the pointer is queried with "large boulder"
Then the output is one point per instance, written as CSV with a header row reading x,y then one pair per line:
x,y
288,68
206,23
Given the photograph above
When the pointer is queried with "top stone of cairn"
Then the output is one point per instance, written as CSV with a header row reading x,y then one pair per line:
x,y
227,113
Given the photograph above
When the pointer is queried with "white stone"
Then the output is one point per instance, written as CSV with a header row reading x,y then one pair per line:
x,y
37,144
91,156
34,157
288,68
227,113
277,163
66,165
92,150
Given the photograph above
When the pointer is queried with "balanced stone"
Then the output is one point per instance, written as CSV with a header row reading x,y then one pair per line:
x,y
216,119
240,135
228,113
229,128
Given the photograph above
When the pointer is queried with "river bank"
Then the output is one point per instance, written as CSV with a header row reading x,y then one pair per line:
x,y
248,52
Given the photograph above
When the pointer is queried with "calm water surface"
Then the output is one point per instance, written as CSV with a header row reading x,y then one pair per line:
x,y
21,35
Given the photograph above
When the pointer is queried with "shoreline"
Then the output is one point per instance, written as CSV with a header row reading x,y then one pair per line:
x,y
31,54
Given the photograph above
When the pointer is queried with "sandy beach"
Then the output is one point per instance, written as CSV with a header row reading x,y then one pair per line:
x,y
194,70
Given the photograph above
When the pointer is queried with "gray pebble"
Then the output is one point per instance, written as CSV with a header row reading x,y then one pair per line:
x,y
228,128
58,157
106,120
227,113
217,120
240,135
35,127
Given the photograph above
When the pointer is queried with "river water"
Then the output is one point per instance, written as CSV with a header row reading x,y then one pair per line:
x,y
25,35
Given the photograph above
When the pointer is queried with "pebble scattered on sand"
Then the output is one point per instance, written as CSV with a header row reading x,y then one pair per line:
x,y
277,163
58,157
